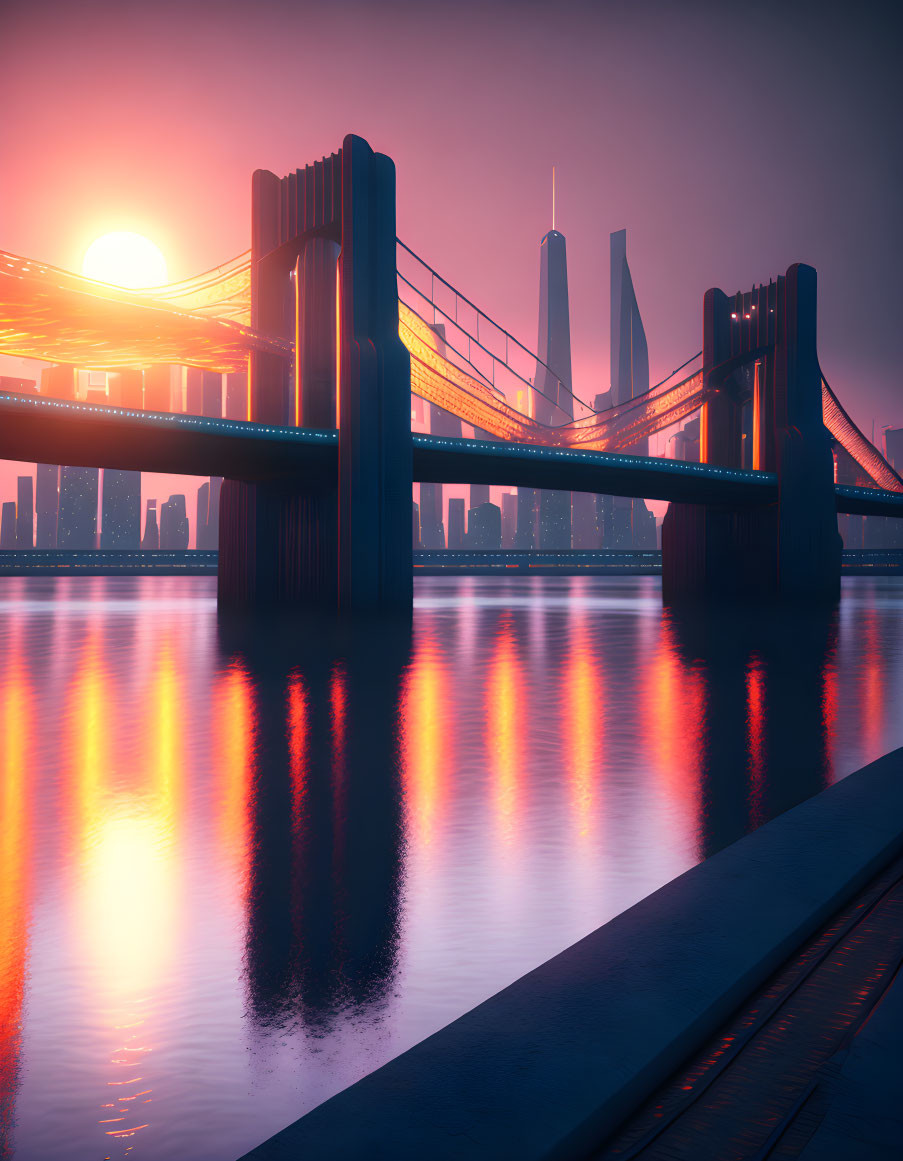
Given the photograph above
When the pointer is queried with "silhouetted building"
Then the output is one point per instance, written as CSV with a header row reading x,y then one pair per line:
x,y
456,535
527,517
479,494
554,403
120,521
207,522
77,525
59,381
24,512
686,442
415,524
47,503
173,523
893,448
151,538
194,401
484,527
212,400
634,524
20,386
8,525
158,388
509,519
432,529
237,395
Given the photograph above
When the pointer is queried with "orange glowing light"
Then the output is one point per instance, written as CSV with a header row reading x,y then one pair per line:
x,y
505,724
755,737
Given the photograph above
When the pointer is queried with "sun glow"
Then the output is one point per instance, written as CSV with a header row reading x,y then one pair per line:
x,y
125,259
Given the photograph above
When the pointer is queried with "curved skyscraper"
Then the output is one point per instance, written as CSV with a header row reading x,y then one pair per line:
x,y
633,523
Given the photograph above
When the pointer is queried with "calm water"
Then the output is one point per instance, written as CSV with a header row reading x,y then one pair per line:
x,y
239,869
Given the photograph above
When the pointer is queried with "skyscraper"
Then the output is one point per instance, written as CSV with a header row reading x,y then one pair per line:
x,y
554,403
415,524
509,519
120,524
24,512
158,388
127,388
212,394
237,395
634,523
456,523
150,541
59,381
432,529
207,524
174,523
8,525
77,526
47,502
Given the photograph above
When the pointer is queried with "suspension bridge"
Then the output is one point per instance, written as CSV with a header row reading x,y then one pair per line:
x,y
338,323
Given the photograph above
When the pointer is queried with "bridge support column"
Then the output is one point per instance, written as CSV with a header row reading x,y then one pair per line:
x,y
345,542
790,549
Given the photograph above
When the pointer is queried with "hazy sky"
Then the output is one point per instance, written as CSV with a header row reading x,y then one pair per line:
x,y
729,139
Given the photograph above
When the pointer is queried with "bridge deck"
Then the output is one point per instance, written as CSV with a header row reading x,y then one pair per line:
x,y
36,429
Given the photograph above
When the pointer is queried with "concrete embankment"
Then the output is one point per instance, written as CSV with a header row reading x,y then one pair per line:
x,y
549,1067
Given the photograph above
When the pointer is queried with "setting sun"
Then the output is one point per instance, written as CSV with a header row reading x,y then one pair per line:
x,y
125,259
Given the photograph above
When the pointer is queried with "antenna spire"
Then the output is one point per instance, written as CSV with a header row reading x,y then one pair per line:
x,y
553,197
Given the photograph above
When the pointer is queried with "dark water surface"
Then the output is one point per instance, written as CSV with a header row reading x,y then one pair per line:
x,y
241,867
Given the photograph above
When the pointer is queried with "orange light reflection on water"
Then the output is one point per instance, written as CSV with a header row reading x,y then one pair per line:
x,y
235,724
506,729
428,748
297,744
16,714
584,723
674,695
128,889
755,737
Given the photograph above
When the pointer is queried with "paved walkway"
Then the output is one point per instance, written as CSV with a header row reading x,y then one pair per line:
x,y
809,1068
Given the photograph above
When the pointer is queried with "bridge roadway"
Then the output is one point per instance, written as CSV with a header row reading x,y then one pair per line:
x,y
36,429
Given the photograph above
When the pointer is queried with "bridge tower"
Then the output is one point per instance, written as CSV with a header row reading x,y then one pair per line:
x,y
764,411
323,275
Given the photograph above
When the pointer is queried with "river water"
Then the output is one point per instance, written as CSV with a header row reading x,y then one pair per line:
x,y
243,865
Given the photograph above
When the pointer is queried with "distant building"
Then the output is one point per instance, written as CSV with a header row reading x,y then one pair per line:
x,y
432,529
554,403
893,448
126,389
686,442
47,503
77,523
456,535
8,525
174,523
207,521
194,399
151,538
634,524
415,524
484,527
479,494
19,386
24,512
509,519
212,394
59,381
237,395
158,388
120,524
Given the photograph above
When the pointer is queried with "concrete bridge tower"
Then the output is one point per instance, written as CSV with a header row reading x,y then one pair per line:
x,y
323,274
760,363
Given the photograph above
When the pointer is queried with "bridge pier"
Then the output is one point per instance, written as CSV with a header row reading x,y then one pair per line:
x,y
759,350
324,273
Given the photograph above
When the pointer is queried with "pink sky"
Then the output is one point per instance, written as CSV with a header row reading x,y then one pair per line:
x,y
730,141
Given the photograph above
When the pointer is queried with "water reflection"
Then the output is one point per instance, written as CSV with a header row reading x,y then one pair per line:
x,y
242,866
320,762
765,709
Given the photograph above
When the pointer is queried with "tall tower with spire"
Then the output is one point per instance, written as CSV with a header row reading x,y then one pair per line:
x,y
554,403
